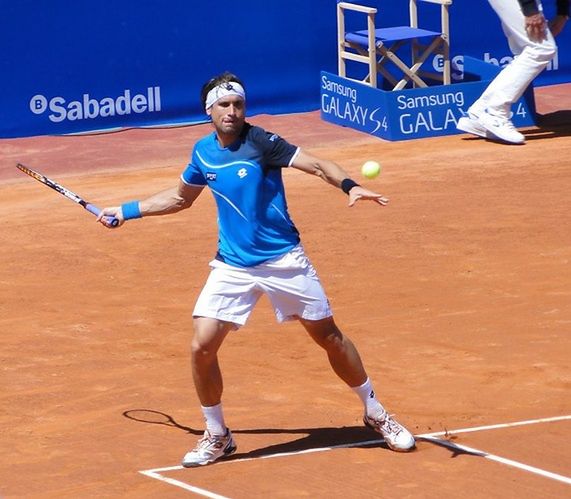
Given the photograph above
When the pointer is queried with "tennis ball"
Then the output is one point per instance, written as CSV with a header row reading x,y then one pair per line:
x,y
370,169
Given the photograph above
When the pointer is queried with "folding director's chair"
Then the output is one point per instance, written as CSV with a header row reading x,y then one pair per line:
x,y
377,47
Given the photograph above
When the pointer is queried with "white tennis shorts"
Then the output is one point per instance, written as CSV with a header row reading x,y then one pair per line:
x,y
289,281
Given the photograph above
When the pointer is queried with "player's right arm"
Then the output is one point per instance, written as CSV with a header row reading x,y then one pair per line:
x,y
166,202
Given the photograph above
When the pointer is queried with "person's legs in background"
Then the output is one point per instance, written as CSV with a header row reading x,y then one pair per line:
x,y
490,115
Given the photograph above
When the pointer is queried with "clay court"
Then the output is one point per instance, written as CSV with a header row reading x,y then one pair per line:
x,y
457,295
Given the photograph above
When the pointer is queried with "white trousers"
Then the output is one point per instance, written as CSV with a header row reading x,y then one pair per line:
x,y
530,59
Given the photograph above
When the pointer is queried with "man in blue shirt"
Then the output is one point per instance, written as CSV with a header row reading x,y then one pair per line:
x,y
246,180
259,252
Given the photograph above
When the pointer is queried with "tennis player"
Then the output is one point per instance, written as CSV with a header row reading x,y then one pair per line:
x,y
259,251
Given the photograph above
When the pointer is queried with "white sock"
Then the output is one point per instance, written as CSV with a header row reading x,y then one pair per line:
x,y
214,419
368,397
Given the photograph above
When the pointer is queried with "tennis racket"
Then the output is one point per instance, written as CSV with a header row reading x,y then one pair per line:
x,y
112,221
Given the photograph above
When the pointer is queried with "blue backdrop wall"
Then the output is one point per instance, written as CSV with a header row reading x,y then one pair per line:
x,y
79,65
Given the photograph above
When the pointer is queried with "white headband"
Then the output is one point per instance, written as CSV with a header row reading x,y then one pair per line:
x,y
224,90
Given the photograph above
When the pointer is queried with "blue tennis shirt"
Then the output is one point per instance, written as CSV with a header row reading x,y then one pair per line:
x,y
246,180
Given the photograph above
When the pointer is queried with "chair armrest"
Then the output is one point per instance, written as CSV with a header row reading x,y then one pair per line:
x,y
441,2
358,8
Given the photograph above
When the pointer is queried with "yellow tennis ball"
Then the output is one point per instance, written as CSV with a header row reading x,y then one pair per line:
x,y
370,169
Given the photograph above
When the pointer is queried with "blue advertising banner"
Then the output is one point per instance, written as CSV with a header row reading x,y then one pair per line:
x,y
72,66
413,113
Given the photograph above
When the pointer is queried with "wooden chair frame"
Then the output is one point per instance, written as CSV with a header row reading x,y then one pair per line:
x,y
377,54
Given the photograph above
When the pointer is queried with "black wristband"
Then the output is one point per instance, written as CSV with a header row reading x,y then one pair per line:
x,y
347,184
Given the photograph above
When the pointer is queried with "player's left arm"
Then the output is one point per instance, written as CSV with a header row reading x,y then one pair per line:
x,y
333,174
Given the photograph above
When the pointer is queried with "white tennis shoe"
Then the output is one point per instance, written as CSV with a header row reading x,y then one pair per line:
x,y
490,127
396,436
500,127
469,124
210,448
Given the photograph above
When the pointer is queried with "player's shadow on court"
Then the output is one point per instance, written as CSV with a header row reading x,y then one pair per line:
x,y
451,447
311,439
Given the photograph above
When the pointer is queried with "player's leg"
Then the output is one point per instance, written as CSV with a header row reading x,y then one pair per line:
x,y
217,441
341,352
346,363
207,340
224,304
295,291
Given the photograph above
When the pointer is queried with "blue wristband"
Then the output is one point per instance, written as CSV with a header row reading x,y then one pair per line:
x,y
131,210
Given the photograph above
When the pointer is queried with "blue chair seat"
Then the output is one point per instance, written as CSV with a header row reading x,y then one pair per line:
x,y
389,35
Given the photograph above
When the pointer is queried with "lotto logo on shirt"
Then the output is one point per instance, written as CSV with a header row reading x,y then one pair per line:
x,y
211,176
242,172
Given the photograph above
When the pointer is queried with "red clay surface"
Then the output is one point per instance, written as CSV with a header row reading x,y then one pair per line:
x,y
458,295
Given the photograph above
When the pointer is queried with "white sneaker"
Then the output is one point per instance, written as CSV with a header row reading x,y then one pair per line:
x,y
469,124
210,448
396,436
502,128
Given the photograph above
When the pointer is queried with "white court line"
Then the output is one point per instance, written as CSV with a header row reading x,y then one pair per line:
x,y
156,472
498,426
178,483
499,459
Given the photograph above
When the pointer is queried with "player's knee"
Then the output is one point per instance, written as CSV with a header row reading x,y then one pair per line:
x,y
207,339
202,353
543,52
324,332
332,340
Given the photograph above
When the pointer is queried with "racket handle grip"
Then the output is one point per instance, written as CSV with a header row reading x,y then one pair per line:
x,y
112,221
